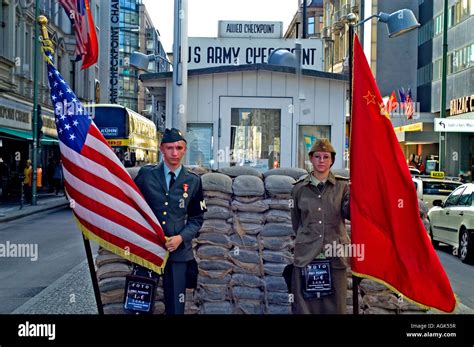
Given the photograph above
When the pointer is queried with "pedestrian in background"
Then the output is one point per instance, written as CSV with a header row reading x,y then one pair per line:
x,y
27,181
320,205
57,177
176,198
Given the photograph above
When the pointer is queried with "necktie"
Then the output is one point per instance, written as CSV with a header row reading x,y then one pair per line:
x,y
320,186
172,179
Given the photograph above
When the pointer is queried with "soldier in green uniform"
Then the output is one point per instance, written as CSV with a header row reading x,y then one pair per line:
x,y
320,205
175,196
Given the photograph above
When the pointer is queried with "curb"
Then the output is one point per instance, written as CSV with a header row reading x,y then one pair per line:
x,y
33,210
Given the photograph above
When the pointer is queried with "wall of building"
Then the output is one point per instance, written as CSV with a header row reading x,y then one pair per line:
x,y
323,102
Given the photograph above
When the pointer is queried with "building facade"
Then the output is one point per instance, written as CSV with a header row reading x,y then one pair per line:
x,y
315,22
17,37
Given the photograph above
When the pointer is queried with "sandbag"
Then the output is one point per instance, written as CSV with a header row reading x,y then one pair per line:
x,y
239,292
277,256
217,212
213,293
249,217
113,270
217,202
279,309
246,280
243,256
248,242
249,307
223,265
206,278
247,185
215,239
212,252
277,230
235,171
216,226
279,298
211,194
217,182
274,269
279,184
278,216
276,243
112,283
275,284
257,206
296,173
248,199
246,228
278,204
223,307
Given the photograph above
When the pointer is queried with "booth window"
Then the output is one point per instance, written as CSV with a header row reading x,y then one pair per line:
x,y
200,144
307,136
255,138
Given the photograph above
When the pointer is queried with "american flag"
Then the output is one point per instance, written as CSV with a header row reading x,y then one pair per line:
x,y
107,204
409,107
84,30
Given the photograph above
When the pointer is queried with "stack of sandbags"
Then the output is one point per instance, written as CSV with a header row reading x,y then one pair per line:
x,y
247,287
111,271
277,240
377,299
213,244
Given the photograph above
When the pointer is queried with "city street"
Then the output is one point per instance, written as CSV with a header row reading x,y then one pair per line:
x,y
60,249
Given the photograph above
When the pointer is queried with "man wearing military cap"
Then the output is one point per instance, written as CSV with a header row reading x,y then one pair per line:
x,y
175,196
320,205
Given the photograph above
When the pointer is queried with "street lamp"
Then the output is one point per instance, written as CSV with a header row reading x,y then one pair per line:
x,y
140,60
398,23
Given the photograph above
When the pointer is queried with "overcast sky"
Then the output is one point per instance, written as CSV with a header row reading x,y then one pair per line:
x,y
204,15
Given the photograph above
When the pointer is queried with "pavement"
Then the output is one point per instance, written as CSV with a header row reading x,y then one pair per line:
x,y
47,201
73,292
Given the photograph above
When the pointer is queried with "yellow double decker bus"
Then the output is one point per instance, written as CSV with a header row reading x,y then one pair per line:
x,y
133,137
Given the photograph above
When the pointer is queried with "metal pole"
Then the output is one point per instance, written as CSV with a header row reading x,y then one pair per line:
x,y
95,284
34,156
305,19
442,113
180,66
355,280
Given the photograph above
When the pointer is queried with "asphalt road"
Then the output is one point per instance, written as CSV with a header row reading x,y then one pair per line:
x,y
460,275
59,249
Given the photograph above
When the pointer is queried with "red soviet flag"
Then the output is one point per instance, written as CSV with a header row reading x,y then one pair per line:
x,y
384,205
92,46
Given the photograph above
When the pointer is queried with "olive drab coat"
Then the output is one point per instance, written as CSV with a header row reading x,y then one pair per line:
x,y
318,218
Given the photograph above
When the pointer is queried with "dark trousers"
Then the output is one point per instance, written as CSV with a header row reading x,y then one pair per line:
x,y
174,287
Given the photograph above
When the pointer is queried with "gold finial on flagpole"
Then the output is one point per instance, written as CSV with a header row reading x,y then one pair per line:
x,y
46,42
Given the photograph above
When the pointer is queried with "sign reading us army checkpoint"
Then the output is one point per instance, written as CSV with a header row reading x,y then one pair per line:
x,y
207,52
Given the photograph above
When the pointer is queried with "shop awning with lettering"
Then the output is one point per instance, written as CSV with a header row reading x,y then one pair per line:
x,y
26,135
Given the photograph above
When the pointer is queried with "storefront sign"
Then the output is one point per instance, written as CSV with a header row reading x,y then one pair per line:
x,y
14,118
114,49
454,125
462,105
211,52
411,127
268,30
118,142
109,131
49,126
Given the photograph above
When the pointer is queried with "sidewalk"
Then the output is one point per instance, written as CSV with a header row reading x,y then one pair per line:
x,y
11,210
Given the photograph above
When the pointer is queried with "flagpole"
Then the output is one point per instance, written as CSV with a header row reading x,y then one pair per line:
x,y
352,21
43,21
34,126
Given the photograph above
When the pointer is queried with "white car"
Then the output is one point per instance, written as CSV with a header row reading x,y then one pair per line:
x,y
452,221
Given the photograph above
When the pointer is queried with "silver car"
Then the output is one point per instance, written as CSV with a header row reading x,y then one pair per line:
x,y
452,222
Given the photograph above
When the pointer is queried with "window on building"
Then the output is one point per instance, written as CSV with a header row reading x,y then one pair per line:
x,y
200,149
437,69
307,136
311,26
255,138
439,25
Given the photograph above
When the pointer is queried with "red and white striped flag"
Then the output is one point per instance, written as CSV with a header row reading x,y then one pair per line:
x,y
108,206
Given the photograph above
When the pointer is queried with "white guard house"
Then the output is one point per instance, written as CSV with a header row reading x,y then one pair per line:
x,y
246,112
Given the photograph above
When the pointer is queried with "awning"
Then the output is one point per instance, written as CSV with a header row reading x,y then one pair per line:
x,y
26,135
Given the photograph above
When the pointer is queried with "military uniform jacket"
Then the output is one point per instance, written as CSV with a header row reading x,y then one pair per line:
x,y
180,211
318,219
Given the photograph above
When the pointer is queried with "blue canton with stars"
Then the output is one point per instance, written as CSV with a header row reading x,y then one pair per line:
x,y
72,120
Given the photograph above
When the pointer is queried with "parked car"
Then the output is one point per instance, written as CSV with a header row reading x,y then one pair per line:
x,y
452,222
430,189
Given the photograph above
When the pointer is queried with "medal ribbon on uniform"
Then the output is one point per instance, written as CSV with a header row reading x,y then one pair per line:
x,y
185,187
